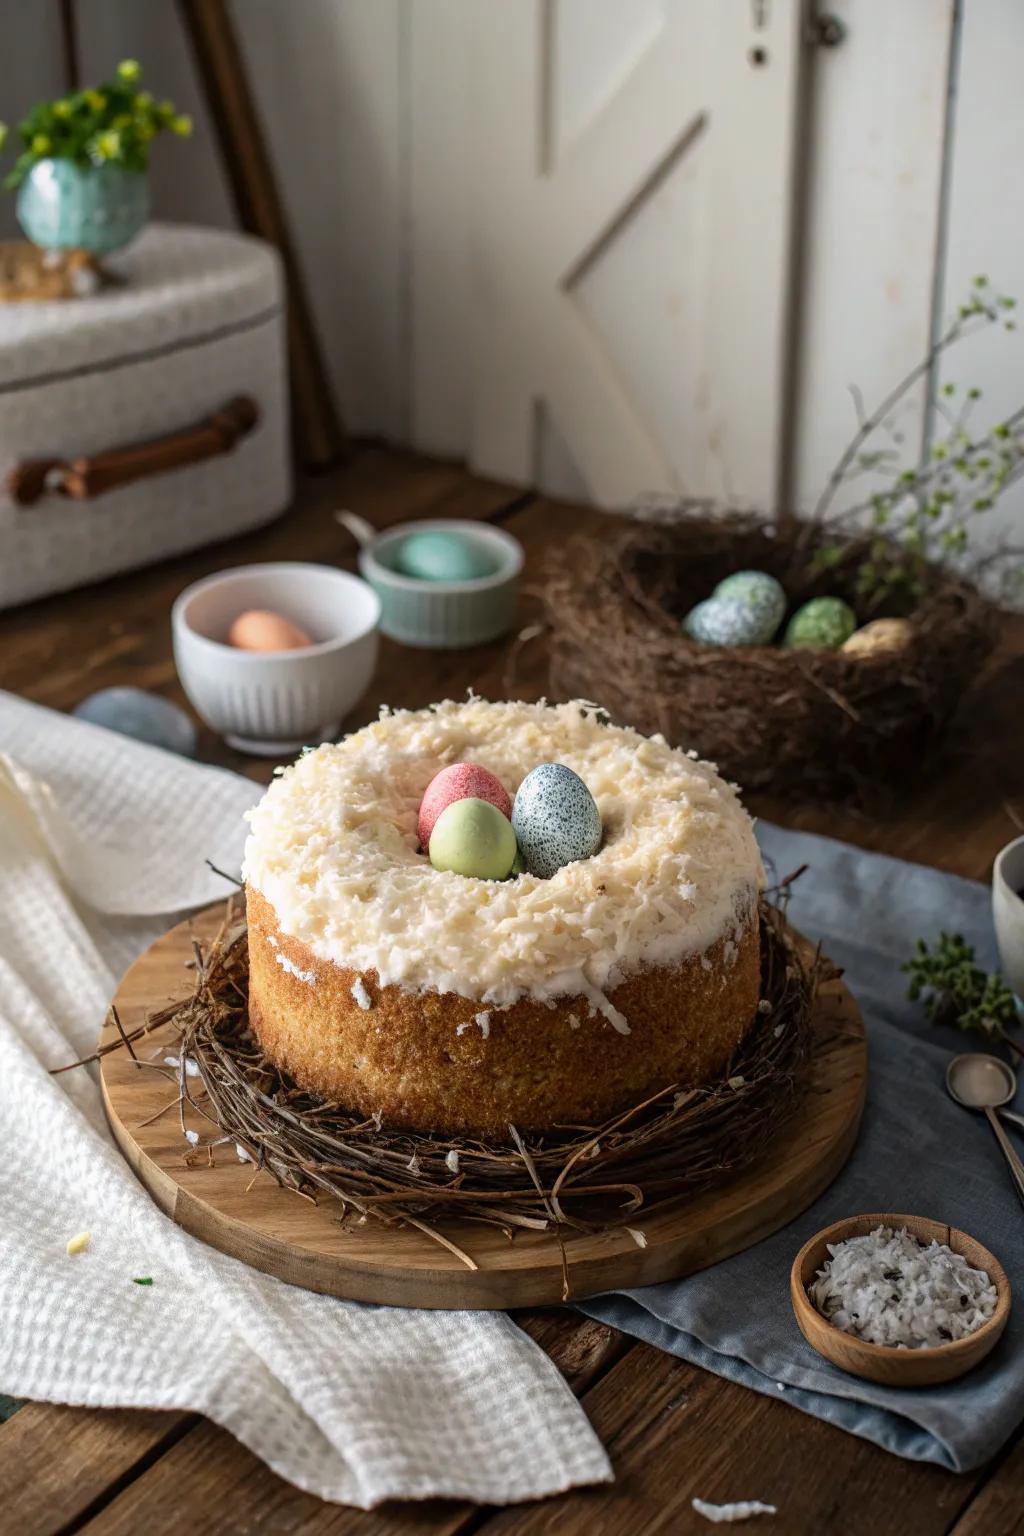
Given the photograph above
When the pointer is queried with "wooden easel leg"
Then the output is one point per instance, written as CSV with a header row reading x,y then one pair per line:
x,y
319,435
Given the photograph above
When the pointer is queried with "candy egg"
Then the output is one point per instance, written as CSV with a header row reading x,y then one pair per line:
x,y
442,557
472,837
761,595
555,819
823,624
880,637
144,716
459,781
724,621
260,629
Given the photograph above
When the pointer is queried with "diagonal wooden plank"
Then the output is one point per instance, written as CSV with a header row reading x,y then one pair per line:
x,y
56,1461
998,1509
602,173
675,1433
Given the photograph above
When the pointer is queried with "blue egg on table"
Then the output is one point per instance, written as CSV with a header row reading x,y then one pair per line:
x,y
555,819
442,556
142,716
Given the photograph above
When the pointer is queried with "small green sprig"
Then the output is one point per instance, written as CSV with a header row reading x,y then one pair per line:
x,y
112,124
956,990
925,513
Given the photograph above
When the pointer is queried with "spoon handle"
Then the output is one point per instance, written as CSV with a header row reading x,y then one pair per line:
x,y
1015,1164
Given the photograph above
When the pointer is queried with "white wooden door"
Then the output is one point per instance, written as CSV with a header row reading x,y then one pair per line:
x,y
627,192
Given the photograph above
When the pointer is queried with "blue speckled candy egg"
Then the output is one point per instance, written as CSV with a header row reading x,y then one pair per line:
x,y
141,715
555,819
761,595
442,556
723,621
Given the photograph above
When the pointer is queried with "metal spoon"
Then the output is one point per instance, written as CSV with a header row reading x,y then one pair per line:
x,y
979,1081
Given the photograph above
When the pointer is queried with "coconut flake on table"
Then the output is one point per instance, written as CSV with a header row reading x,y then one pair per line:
x,y
888,1288
728,1514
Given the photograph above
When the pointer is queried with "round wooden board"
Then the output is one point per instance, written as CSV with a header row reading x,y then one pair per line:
x,y
277,1231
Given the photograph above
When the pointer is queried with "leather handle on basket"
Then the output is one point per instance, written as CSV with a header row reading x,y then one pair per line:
x,y
86,477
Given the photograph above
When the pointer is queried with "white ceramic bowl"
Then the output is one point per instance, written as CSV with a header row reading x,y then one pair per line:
x,y
272,702
1008,912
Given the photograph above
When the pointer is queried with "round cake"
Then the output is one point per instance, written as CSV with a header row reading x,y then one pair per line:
x,y
445,1003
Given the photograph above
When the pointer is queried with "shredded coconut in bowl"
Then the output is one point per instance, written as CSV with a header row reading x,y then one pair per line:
x,y
889,1288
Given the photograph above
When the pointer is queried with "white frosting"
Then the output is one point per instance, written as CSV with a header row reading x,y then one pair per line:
x,y
333,848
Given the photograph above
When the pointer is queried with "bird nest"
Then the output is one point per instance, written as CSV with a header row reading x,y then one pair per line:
x,y
828,724
674,1143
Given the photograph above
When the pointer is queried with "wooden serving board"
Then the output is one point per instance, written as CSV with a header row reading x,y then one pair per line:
x,y
275,1230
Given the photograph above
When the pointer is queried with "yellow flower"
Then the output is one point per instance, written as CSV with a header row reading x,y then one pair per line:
x,y
182,125
144,99
3,134
95,99
129,70
107,145
144,130
40,144
166,110
62,109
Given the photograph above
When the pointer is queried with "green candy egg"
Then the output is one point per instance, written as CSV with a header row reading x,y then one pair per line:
x,y
442,557
472,837
762,596
825,623
724,621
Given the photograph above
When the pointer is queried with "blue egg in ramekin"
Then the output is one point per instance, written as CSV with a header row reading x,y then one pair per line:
x,y
444,583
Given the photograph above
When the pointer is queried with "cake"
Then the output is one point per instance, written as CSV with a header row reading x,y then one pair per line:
x,y
444,1003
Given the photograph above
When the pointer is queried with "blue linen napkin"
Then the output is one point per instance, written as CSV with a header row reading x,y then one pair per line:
x,y
917,1152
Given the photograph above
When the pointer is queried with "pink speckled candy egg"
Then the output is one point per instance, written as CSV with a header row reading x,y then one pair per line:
x,y
459,781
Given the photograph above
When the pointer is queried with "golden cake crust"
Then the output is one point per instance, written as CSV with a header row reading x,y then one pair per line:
x,y
422,1060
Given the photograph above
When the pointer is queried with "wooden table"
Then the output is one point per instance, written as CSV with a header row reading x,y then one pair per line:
x,y
672,1431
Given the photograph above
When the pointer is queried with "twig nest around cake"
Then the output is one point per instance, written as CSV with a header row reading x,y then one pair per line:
x,y
824,624
472,837
459,781
880,637
555,819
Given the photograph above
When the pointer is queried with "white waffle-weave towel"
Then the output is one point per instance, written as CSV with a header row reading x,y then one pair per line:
x,y
102,846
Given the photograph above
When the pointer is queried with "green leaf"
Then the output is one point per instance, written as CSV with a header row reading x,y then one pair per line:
x,y
142,1280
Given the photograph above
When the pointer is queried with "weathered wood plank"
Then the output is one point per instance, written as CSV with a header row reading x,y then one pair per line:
x,y
675,1433
56,1462
998,1509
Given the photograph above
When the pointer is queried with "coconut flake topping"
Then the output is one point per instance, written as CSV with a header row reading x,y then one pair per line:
x,y
888,1288
333,849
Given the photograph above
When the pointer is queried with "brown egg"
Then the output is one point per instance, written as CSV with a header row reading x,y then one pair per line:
x,y
259,629
881,635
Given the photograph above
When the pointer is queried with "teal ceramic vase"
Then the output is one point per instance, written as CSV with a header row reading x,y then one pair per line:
x,y
93,208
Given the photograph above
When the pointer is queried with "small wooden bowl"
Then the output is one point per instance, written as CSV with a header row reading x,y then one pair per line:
x,y
883,1362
